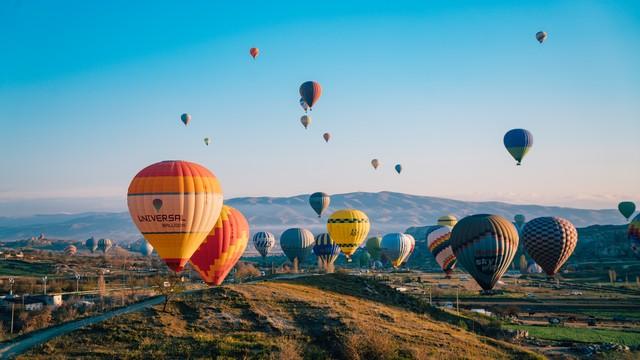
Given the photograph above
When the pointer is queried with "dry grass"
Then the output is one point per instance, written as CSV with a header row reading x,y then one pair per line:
x,y
283,320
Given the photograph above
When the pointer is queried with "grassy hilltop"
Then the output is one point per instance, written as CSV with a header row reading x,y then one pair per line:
x,y
316,317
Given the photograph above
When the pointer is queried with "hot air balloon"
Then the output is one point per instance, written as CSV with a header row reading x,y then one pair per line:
x,y
254,52
326,249
373,247
70,250
533,268
485,246
447,220
263,242
175,204
222,248
304,105
375,163
627,208
185,118
206,141
91,244
145,248
633,233
364,259
398,168
297,243
310,92
518,142
550,241
348,228
396,247
104,245
519,220
439,244
541,36
305,120
319,202
326,137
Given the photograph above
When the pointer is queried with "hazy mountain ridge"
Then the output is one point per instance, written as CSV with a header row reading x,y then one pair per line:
x,y
388,212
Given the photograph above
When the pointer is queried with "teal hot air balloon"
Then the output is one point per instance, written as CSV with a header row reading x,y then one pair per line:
x,y
627,208
373,247
145,248
91,244
364,259
297,243
518,143
326,249
104,245
319,202
398,168
485,246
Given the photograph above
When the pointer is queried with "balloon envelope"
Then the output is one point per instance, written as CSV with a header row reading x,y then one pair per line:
x,y
310,92
373,247
375,163
326,137
185,118
223,247
627,208
348,228
326,249
175,204
447,220
304,105
485,246
305,120
297,243
550,241
438,242
633,234
397,247
91,244
541,36
70,250
206,141
145,248
319,202
104,245
398,168
264,242
518,143
254,52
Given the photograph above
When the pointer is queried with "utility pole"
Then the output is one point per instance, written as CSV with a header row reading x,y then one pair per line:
x,y
430,303
458,300
13,304
44,283
11,281
77,283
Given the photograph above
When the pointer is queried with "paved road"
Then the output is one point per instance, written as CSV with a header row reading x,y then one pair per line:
x,y
21,345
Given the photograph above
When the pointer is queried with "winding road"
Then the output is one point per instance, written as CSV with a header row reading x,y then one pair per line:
x,y
26,342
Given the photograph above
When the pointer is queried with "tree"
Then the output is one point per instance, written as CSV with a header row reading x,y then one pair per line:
x,y
523,264
169,286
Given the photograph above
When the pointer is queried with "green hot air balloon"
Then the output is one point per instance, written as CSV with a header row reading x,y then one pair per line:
x,y
485,246
364,259
373,247
297,243
319,202
627,208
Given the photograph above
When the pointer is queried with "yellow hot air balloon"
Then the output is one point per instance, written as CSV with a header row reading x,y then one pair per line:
x,y
348,228
447,220
175,204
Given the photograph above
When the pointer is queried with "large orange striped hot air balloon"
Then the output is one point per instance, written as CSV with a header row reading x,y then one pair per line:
x,y
222,248
175,204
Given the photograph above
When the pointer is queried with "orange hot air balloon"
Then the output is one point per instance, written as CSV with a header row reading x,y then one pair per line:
x,y
254,52
222,248
175,204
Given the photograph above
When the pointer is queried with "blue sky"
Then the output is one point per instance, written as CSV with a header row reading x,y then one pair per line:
x,y
92,92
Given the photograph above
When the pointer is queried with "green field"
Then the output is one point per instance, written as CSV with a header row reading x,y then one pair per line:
x,y
585,335
24,268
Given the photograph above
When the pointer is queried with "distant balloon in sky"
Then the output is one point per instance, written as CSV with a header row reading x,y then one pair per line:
x,y
550,241
206,141
627,208
375,163
175,204
447,220
305,120
633,233
348,228
310,91
304,105
541,36
485,246
518,142
254,52
186,118
326,136
319,202
398,168
263,242
223,247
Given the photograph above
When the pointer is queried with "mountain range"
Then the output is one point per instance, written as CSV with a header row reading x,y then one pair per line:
x,y
388,212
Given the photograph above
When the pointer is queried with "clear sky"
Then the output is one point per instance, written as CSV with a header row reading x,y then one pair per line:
x,y
91,92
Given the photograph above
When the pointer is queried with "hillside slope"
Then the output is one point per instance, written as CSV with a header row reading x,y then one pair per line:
x,y
332,316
